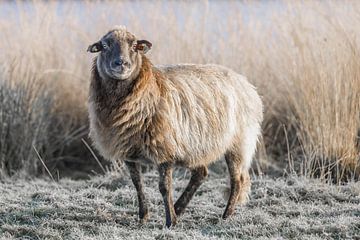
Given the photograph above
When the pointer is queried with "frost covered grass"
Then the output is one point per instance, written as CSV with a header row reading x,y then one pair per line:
x,y
106,208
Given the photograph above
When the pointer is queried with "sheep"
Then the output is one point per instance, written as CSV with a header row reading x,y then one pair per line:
x,y
184,115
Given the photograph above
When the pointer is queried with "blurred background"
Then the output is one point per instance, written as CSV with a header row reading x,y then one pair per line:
x,y
303,57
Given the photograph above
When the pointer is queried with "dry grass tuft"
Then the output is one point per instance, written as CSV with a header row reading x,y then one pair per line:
x,y
302,56
24,115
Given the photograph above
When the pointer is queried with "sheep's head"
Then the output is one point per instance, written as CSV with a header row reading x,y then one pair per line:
x,y
120,54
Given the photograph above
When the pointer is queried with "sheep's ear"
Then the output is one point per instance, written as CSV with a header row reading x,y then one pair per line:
x,y
143,45
96,47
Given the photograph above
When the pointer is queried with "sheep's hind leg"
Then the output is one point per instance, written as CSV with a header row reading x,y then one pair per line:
x,y
135,174
165,182
239,180
198,176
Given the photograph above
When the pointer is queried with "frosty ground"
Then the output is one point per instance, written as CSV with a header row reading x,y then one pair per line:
x,y
105,207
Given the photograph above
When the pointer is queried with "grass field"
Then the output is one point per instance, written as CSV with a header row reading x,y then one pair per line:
x,y
303,57
106,208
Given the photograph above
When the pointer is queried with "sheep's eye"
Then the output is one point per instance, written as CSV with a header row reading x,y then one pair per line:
x,y
105,46
133,47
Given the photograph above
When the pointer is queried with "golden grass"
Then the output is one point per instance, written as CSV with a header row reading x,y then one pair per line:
x,y
302,55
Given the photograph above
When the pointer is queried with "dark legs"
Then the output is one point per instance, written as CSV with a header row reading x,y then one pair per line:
x,y
239,179
240,183
198,176
135,173
165,187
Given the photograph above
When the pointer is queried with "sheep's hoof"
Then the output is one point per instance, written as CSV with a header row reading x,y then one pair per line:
x,y
144,217
228,213
143,220
171,223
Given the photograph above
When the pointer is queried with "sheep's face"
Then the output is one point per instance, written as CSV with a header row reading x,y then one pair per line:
x,y
120,54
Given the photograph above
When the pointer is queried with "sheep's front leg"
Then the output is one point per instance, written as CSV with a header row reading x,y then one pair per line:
x,y
135,174
165,182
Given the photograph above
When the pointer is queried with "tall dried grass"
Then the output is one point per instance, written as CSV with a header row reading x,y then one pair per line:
x,y
24,123
302,55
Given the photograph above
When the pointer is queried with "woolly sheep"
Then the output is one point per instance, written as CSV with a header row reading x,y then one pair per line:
x,y
181,115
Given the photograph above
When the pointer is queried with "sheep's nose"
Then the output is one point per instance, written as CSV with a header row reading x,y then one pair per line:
x,y
118,62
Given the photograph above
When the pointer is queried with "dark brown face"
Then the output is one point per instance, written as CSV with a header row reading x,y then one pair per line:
x,y
120,54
